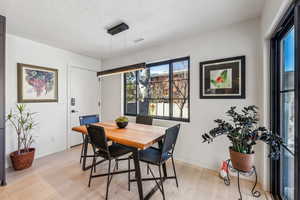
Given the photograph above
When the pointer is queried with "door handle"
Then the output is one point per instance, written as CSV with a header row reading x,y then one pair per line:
x,y
74,111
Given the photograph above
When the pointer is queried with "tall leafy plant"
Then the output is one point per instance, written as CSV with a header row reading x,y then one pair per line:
x,y
243,131
22,121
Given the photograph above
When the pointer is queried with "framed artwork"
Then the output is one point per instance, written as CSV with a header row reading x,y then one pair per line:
x,y
223,78
37,84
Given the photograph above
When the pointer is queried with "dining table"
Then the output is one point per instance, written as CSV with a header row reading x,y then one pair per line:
x,y
136,137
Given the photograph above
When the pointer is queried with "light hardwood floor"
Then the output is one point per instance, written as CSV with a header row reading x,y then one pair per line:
x,y
59,176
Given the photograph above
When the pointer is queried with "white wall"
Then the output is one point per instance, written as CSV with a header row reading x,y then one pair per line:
x,y
52,117
234,40
271,15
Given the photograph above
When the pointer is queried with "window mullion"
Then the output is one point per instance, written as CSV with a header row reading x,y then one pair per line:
x,y
170,89
136,93
125,95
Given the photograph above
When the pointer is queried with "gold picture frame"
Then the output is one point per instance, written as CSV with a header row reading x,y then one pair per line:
x,y
37,84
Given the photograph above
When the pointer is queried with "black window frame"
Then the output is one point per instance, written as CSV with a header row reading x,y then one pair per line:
x,y
166,62
291,18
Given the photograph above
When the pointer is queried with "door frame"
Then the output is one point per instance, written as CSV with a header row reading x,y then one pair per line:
x,y
2,126
69,68
290,18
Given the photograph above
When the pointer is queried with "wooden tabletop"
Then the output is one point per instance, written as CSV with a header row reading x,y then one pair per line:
x,y
134,135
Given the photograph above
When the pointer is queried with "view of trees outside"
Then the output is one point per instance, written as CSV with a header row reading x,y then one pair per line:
x,y
130,93
153,95
180,89
155,92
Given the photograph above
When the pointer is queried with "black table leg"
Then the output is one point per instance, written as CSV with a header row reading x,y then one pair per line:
x,y
3,183
138,172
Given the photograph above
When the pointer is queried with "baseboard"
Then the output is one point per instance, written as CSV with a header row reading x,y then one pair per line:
x,y
195,166
37,156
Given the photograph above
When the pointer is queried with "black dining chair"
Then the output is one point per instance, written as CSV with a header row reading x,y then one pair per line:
x,y
147,120
111,152
141,119
84,120
159,156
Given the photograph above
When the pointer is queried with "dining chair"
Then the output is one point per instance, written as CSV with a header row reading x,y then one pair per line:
x,y
111,152
84,120
159,156
147,120
141,119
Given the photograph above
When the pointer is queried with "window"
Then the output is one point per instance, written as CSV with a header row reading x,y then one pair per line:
x,y
287,118
161,90
285,113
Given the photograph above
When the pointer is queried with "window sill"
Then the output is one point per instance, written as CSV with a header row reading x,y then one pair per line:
x,y
165,118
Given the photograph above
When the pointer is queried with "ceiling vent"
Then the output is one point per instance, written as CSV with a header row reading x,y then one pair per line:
x,y
118,29
138,40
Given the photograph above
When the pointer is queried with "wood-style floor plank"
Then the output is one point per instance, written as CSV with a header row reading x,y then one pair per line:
x,y
59,177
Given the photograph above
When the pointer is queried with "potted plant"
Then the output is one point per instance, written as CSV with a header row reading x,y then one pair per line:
x,y
243,132
122,122
23,123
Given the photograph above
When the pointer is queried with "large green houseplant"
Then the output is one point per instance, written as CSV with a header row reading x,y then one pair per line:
x,y
243,132
22,121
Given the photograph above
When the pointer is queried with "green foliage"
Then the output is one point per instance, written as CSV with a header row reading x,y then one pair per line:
x,y
23,122
243,132
130,91
122,119
130,86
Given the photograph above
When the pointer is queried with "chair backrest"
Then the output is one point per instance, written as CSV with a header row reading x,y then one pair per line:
x,y
98,138
147,120
170,139
88,119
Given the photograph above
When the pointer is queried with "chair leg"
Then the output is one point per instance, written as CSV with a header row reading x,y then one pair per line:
x,y
82,147
128,174
108,180
174,171
147,168
162,184
94,161
95,158
91,173
117,164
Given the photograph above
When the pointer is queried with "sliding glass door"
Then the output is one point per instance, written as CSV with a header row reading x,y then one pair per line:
x,y
285,104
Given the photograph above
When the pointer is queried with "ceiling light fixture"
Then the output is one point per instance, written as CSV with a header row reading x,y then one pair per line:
x,y
118,29
120,70
139,66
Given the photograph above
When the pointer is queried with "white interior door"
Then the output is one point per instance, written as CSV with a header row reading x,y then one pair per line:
x,y
84,95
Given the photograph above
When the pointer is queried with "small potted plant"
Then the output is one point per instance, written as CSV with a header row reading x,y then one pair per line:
x,y
23,123
243,132
122,122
